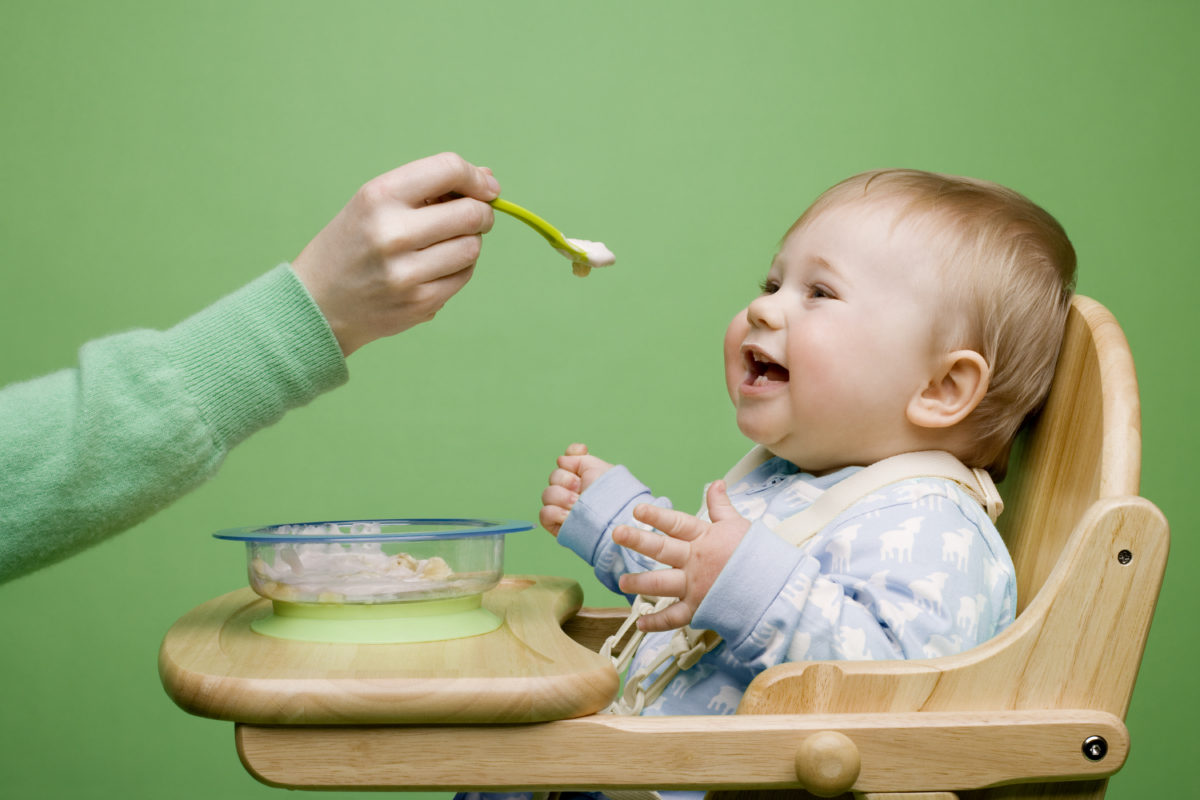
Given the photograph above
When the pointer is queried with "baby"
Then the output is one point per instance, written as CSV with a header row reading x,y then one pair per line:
x,y
904,312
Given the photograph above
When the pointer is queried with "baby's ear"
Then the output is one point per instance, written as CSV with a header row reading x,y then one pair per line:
x,y
952,393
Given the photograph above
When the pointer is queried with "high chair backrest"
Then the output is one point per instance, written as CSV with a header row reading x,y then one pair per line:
x,y
1084,445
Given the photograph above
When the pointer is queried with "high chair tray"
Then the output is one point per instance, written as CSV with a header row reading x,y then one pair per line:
x,y
213,665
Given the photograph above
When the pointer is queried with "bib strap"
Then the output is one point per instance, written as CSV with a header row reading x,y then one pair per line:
x,y
800,527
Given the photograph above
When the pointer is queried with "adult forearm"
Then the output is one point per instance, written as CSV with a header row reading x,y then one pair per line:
x,y
147,416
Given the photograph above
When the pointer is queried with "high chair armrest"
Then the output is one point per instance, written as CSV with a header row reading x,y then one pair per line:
x,y
829,753
592,626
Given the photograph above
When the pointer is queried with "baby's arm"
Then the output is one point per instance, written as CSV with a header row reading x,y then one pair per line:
x,y
895,580
586,500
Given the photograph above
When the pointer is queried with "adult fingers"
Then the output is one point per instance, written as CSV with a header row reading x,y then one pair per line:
x,y
430,178
449,285
416,304
577,449
442,260
675,524
395,230
461,216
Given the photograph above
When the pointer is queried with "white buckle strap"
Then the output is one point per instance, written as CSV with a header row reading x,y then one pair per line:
x,y
988,495
638,609
800,527
685,648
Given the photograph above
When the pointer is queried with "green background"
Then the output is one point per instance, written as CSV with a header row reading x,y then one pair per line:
x,y
155,156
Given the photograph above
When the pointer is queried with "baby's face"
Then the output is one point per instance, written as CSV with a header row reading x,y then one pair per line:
x,y
822,365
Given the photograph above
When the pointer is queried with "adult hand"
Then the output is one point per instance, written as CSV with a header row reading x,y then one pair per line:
x,y
576,471
695,550
403,245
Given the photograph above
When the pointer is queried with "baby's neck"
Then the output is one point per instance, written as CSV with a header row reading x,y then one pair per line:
x,y
920,440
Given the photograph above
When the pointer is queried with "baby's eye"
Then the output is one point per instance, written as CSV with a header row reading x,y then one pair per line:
x,y
818,292
769,286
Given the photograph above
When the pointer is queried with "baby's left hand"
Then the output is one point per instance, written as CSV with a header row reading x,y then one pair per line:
x,y
696,550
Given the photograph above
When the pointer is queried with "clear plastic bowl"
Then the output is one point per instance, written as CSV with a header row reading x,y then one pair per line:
x,y
374,561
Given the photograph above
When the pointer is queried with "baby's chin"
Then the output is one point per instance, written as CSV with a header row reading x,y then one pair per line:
x,y
758,435
790,449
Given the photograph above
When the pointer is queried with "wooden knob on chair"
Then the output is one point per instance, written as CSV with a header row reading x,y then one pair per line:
x,y
828,763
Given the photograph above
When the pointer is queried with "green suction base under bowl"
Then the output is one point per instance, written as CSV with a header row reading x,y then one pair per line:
x,y
386,623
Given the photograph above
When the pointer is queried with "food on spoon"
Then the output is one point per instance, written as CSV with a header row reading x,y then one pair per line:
x,y
598,255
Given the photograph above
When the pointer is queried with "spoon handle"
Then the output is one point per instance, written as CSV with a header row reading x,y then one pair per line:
x,y
548,231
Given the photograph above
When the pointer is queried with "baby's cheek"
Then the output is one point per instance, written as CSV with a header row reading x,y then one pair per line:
x,y
735,334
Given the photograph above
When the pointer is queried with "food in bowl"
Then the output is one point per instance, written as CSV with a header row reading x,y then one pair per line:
x,y
375,561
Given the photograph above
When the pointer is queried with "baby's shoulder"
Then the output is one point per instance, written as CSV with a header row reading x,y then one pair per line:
x,y
935,497
917,507
933,512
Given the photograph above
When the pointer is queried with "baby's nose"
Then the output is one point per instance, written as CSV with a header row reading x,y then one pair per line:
x,y
765,312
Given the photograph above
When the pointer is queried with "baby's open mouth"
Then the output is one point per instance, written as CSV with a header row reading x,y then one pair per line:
x,y
761,369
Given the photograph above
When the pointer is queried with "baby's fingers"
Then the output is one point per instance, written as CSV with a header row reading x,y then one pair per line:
x,y
675,524
559,496
720,507
673,616
566,479
571,463
552,518
655,583
587,467
662,549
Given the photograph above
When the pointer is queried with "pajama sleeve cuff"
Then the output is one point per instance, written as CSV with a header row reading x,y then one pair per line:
x,y
751,581
612,497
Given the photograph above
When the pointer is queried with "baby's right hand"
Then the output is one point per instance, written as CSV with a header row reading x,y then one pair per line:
x,y
576,472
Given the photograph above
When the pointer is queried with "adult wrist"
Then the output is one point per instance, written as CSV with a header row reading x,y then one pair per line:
x,y
256,353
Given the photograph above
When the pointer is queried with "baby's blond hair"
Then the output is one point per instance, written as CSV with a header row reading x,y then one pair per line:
x,y
1010,275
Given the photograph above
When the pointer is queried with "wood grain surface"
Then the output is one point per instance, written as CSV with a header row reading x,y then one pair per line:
x,y
528,670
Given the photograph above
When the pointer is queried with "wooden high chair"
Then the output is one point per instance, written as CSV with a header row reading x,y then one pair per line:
x,y
1036,712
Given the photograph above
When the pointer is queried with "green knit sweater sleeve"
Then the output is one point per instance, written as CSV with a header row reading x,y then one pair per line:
x,y
146,416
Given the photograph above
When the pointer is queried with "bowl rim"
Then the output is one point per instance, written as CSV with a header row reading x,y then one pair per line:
x,y
460,528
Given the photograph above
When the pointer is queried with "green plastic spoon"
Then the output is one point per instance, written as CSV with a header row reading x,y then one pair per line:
x,y
583,254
